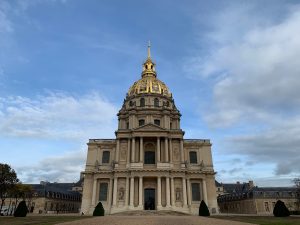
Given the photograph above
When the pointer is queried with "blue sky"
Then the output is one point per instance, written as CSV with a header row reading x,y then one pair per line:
x,y
232,66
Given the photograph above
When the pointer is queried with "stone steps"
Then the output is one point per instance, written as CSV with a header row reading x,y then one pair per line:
x,y
150,213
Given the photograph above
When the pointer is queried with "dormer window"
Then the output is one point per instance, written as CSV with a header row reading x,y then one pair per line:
x,y
157,122
156,102
142,102
141,122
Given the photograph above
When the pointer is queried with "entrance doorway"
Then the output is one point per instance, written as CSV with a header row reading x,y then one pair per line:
x,y
149,198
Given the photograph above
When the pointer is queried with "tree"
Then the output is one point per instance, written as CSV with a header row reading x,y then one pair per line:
x,y
297,185
99,210
280,210
21,210
203,210
8,179
21,191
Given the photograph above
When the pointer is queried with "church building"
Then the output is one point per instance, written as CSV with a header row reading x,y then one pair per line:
x,y
149,166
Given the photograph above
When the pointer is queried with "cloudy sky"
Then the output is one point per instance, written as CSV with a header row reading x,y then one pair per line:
x,y
233,68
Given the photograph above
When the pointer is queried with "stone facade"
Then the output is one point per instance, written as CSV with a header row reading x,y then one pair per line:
x,y
248,199
149,166
48,198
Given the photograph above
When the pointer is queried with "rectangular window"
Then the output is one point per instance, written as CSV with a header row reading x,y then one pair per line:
x,y
103,191
195,191
105,157
149,157
157,122
267,207
193,157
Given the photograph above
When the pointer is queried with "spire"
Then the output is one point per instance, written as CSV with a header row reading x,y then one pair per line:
x,y
149,53
149,66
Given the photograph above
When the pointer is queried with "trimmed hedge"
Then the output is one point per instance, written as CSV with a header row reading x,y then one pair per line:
x,y
203,210
280,210
99,210
21,210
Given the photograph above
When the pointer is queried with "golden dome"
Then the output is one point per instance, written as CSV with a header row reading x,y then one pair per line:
x,y
149,83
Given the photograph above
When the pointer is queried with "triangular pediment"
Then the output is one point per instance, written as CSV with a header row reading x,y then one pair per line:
x,y
150,127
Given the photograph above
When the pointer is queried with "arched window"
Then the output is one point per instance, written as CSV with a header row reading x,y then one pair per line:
x,y
142,102
105,157
156,102
193,157
141,122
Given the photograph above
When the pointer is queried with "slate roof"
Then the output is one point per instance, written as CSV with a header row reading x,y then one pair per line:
x,y
60,188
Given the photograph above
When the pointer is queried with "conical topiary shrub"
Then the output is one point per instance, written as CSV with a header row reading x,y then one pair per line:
x,y
99,210
280,210
21,210
203,210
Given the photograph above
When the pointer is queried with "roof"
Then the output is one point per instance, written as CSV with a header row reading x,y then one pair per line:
x,y
61,188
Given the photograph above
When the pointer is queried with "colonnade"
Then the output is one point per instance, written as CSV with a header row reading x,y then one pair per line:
x,y
170,198
168,153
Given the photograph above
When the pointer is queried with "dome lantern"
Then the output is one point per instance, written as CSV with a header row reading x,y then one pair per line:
x,y
149,82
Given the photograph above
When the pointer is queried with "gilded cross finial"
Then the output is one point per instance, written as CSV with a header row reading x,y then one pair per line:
x,y
149,53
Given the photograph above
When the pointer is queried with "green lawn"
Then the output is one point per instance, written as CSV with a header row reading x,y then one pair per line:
x,y
263,220
38,220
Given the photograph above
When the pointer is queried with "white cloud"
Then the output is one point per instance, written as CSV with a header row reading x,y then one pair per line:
x,y
61,168
5,24
58,116
255,65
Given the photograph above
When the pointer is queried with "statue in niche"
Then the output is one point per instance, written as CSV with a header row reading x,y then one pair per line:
x,y
123,153
176,154
121,194
178,194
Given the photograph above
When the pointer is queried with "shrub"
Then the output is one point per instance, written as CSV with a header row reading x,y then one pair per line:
x,y
280,210
99,210
203,210
21,210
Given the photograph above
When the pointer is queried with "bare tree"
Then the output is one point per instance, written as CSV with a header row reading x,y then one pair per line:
x,y
297,185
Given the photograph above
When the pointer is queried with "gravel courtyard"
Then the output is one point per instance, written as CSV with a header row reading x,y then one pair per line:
x,y
153,220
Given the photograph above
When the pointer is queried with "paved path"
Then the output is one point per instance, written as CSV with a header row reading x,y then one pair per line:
x,y
153,220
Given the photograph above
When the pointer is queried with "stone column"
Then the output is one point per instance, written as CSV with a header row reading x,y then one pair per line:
x,y
158,149
189,199
133,150
166,150
158,191
117,151
127,192
94,192
184,192
168,191
172,192
181,151
115,193
110,190
141,192
131,192
141,150
171,150
128,151
204,191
